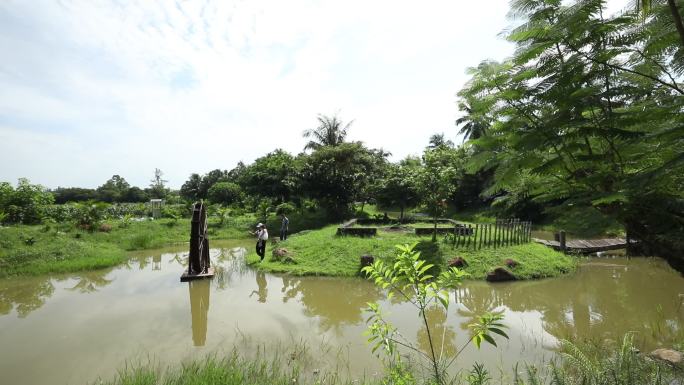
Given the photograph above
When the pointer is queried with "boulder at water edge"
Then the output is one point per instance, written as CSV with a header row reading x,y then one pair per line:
x,y
668,355
458,262
500,274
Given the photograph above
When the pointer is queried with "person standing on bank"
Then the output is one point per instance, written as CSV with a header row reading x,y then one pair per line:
x,y
284,227
262,236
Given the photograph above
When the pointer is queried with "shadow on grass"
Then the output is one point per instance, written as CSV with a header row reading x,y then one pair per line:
x,y
429,252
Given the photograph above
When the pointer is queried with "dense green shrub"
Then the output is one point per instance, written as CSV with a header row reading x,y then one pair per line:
x,y
89,216
285,208
27,203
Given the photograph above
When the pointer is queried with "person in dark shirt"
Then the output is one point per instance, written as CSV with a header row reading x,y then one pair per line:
x,y
284,227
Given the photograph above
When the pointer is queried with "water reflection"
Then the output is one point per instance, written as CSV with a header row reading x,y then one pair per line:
x,y
602,300
24,295
156,262
262,291
443,335
228,265
199,309
336,302
476,300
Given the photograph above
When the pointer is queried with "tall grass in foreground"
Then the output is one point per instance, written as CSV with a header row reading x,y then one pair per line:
x,y
577,364
594,364
230,370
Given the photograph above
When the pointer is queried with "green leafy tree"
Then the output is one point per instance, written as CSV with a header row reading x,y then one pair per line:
x,y
336,175
73,194
271,176
399,188
225,193
208,180
190,190
113,190
331,131
134,195
435,182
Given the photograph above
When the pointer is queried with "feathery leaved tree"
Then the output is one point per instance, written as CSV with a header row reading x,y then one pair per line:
x,y
590,105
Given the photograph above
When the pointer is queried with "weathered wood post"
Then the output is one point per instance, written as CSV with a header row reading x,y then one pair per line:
x,y
561,236
496,225
480,234
199,263
469,234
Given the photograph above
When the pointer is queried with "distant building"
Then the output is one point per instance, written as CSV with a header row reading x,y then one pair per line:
x,y
156,206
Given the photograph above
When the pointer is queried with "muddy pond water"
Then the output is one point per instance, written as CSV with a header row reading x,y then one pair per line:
x,y
74,328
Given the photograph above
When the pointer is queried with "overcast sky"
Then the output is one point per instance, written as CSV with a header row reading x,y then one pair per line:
x,y
93,88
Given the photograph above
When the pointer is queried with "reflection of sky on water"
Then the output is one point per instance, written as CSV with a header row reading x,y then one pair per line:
x,y
72,328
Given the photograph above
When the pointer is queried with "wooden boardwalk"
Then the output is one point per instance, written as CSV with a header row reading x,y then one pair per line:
x,y
586,246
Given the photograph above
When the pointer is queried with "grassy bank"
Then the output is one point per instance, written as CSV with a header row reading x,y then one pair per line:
x,y
321,252
62,247
32,250
231,370
579,363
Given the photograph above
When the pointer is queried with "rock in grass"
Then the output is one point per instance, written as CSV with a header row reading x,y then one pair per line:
x,y
500,274
667,355
279,253
458,262
366,260
511,263
283,255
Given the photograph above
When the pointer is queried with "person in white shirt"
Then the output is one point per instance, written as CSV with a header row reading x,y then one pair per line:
x,y
262,236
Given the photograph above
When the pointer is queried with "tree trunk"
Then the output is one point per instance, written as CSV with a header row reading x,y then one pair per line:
x,y
434,231
401,215
677,19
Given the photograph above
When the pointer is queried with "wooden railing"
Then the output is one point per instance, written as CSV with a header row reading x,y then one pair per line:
x,y
504,232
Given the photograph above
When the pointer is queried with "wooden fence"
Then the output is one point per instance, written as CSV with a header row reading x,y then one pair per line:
x,y
504,232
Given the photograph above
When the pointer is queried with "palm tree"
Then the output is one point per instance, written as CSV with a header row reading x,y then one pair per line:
x,y
438,141
471,126
330,132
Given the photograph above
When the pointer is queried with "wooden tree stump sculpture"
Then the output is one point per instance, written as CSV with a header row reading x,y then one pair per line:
x,y
199,264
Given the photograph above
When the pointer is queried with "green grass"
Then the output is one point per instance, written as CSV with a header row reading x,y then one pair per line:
x,y
60,248
321,252
230,370
581,362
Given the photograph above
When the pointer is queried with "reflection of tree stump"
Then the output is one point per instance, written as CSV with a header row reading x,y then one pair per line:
x,y
199,308
199,264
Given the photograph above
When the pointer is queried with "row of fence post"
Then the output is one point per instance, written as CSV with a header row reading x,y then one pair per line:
x,y
504,232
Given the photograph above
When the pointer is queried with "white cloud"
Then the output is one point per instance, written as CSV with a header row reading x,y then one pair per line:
x,y
94,88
